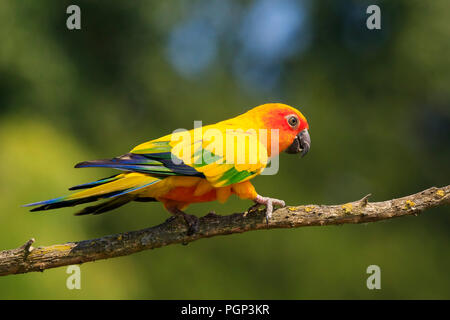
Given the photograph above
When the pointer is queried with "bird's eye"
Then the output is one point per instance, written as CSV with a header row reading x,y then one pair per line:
x,y
293,121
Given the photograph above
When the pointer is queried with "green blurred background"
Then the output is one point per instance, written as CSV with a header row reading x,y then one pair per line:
x,y
378,104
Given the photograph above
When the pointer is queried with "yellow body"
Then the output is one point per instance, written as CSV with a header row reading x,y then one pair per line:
x,y
238,149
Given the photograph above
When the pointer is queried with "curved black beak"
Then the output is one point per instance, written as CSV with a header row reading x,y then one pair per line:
x,y
302,143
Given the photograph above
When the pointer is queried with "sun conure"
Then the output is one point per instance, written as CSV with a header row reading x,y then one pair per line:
x,y
200,165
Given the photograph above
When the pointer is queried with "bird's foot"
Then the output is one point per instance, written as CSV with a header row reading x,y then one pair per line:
x,y
211,214
170,219
193,224
253,208
191,220
269,203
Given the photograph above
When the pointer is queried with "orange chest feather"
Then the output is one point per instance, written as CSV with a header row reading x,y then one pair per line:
x,y
187,194
193,189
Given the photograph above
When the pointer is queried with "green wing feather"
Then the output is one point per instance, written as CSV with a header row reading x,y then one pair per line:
x,y
203,158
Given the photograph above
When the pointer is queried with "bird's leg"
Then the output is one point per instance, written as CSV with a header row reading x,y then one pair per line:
x,y
191,220
269,203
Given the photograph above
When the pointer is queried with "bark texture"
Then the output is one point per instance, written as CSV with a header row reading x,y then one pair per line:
x,y
27,258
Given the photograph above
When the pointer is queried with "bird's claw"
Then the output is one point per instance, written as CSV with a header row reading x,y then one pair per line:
x,y
211,214
191,220
269,203
193,224
253,208
170,219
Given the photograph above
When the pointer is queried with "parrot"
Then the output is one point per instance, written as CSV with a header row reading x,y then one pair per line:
x,y
199,165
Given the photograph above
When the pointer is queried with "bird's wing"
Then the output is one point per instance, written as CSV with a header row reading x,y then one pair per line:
x,y
223,155
186,153
155,161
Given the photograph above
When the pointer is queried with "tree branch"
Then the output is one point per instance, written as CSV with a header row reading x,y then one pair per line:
x,y
28,259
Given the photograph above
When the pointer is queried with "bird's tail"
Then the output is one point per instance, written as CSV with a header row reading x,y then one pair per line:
x,y
119,189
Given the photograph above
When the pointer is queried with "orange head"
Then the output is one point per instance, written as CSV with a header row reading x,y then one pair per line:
x,y
291,124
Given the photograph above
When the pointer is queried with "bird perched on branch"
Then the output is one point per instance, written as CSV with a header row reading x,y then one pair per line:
x,y
204,164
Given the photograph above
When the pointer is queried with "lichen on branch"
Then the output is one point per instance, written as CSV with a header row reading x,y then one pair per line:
x,y
28,259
